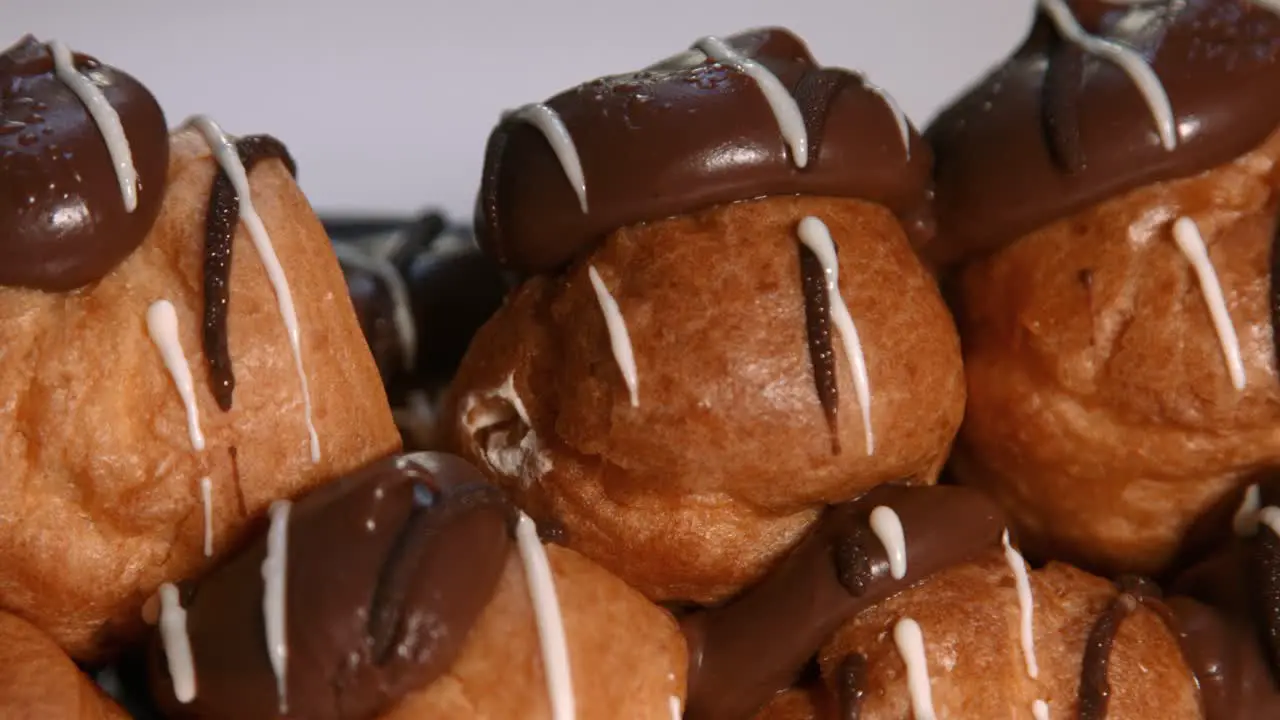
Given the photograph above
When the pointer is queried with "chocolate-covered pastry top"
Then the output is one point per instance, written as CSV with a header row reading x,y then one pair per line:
x,y
84,152
1102,97
385,572
743,653
748,116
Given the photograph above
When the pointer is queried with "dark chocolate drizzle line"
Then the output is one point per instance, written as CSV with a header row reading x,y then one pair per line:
x,y
817,314
1095,686
1064,79
220,228
1275,290
1264,561
852,678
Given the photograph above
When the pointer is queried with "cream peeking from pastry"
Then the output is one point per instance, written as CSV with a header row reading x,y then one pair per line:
x,y
1109,193
179,348
409,589
723,325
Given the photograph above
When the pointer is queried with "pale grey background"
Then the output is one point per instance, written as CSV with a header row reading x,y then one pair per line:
x,y
386,103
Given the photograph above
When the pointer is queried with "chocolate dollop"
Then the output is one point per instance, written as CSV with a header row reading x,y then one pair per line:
x,y
743,653
387,570
689,133
1057,128
63,217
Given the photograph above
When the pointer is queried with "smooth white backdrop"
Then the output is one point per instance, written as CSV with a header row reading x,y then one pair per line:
x,y
386,104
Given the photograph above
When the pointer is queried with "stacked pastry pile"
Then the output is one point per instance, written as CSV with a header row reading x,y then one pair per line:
x,y
691,466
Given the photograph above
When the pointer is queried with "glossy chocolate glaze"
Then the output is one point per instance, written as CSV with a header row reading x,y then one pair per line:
x,y
743,653
63,222
387,571
221,221
817,316
686,134
1054,129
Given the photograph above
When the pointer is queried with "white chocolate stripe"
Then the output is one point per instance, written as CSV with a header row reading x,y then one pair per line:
x,y
177,644
1270,516
224,151
909,640
552,127
1040,710
674,706
1245,522
785,110
104,116
1272,5
206,504
275,573
899,117
815,236
1026,605
1187,235
402,311
1128,60
619,337
546,612
162,326
887,527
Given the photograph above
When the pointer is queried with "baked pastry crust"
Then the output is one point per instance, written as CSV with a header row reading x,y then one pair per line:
x,y
101,500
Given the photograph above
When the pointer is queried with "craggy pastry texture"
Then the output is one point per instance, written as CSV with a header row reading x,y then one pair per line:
x,y
101,499
1100,410
728,457
626,656
969,619
38,681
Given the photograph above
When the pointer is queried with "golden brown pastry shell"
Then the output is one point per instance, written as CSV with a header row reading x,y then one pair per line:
x,y
100,501
1101,412
728,457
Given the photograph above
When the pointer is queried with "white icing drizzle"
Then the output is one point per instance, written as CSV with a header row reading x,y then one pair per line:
x,y
1272,5
785,110
177,644
619,338
910,642
1040,710
224,151
887,526
552,127
1187,235
162,326
1128,60
104,116
1270,516
1245,522
274,576
676,712
206,503
401,309
815,236
904,125
546,612
1026,605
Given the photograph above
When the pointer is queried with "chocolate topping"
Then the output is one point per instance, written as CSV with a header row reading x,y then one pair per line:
x,y
1056,129
852,675
1275,290
817,315
1095,687
63,219
690,133
741,654
221,220
1264,566
387,571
